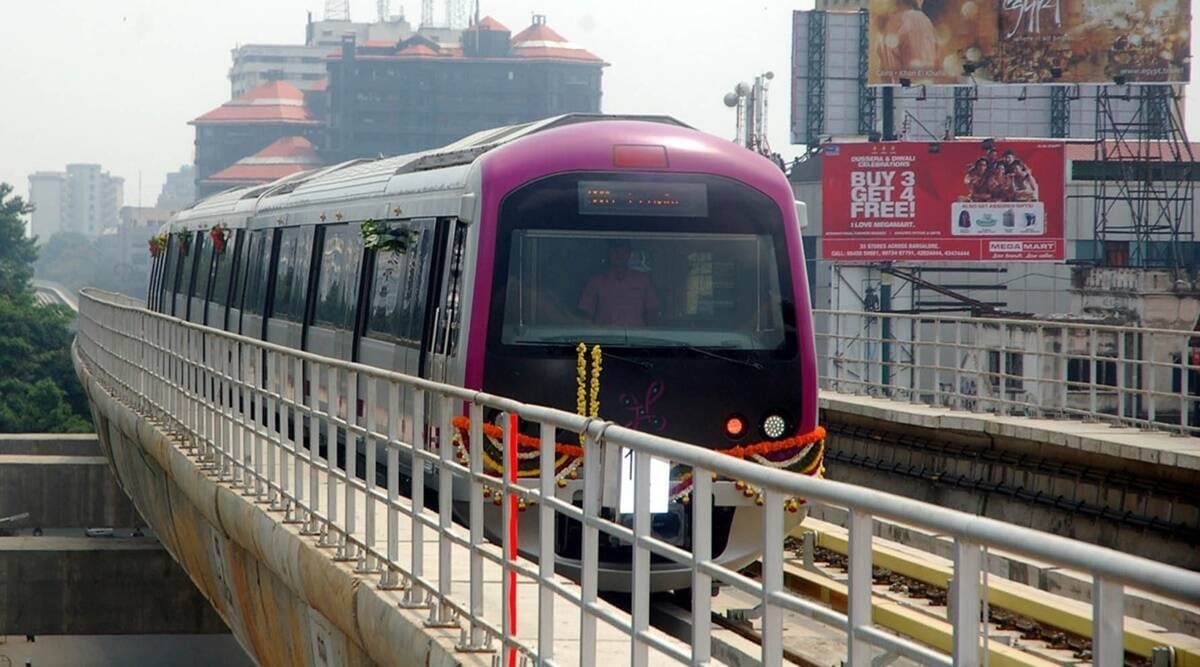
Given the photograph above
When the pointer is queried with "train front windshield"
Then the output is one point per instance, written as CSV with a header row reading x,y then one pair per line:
x,y
645,263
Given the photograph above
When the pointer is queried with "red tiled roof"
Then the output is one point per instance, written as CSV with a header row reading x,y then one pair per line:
x,y
274,102
538,32
274,90
416,50
540,41
488,23
319,86
283,157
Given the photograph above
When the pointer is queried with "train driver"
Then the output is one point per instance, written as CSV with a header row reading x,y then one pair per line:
x,y
619,296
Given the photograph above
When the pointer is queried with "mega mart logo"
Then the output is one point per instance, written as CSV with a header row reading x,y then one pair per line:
x,y
1006,246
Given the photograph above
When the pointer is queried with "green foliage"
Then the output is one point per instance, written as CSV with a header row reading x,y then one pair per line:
x,y
17,253
39,392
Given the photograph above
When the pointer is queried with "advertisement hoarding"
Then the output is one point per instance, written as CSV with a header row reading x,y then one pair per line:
x,y
1028,41
948,201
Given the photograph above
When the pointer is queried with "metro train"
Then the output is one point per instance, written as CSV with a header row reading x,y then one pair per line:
x,y
675,253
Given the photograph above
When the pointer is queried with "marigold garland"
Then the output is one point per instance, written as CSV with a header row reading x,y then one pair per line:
x,y
803,453
219,235
158,244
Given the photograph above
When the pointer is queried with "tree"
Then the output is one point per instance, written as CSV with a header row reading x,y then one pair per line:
x,y
17,253
39,391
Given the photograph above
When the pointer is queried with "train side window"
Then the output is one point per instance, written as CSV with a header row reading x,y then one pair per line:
x,y
399,286
337,283
223,282
291,277
258,261
166,282
187,266
203,267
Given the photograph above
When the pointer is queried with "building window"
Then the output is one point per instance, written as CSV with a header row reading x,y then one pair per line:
x,y
1079,373
1013,373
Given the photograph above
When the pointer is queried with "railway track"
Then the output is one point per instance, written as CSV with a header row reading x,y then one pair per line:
x,y
1134,510
1026,626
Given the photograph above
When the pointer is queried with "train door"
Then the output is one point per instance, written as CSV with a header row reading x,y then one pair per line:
x,y
198,294
166,282
257,269
335,305
224,282
186,246
398,300
441,344
289,297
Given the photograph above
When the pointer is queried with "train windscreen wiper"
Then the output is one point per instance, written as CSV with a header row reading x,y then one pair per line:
x,y
699,350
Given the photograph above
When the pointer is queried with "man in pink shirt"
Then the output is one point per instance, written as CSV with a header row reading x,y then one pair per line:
x,y
619,296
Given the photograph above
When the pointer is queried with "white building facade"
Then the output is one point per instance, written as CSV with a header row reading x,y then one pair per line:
x,y
83,199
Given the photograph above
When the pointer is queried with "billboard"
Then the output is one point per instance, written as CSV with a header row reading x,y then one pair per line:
x,y
1028,41
947,201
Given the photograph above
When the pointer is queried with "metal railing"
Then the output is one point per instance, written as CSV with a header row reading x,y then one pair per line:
x,y
1134,376
222,394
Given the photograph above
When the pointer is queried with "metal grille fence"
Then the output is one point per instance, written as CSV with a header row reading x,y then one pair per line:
x,y
1133,376
231,400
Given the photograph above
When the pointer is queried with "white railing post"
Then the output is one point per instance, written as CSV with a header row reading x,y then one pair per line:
x,y
440,614
330,537
1108,623
296,506
859,588
366,561
414,597
546,555
391,578
592,486
640,592
964,603
772,578
347,551
701,553
478,638
313,527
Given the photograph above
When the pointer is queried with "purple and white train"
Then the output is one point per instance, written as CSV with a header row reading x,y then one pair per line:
x,y
677,253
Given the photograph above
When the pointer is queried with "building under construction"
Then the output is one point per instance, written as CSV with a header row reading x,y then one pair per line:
x,y
361,90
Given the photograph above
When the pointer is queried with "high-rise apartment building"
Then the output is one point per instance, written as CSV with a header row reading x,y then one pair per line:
x,y
83,199
48,195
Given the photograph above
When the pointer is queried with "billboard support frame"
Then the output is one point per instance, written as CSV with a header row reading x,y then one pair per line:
x,y
1146,167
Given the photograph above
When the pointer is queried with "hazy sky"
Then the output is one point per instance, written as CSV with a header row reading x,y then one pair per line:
x,y
115,81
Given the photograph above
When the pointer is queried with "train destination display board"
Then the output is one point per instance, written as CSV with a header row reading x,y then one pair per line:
x,y
1028,41
968,201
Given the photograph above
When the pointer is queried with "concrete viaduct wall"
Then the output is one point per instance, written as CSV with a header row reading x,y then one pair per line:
x,y
286,601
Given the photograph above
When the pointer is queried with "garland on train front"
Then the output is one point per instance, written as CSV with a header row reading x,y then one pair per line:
x,y
803,453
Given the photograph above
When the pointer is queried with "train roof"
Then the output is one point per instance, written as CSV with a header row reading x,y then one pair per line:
x,y
436,169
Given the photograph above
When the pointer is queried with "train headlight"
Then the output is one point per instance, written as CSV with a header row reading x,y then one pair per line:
x,y
774,426
735,426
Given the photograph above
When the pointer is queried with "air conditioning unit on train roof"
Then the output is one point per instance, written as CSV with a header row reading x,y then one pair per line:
x,y
468,149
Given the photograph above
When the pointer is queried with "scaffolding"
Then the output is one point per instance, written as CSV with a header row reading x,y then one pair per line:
x,y
815,93
866,94
1143,183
